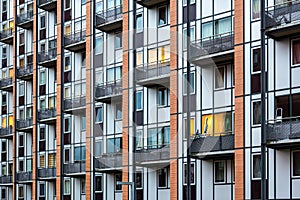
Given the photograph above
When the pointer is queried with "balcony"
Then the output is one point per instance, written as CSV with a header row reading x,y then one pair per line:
x,y
214,49
153,74
25,20
6,36
283,20
48,5
6,133
157,157
47,58
24,177
47,116
109,92
47,173
6,84
209,147
75,42
6,180
284,133
151,3
25,73
24,125
75,105
111,20
109,163
75,169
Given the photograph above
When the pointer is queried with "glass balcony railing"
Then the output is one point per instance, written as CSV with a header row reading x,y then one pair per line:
x,y
25,73
25,20
24,176
6,36
6,84
75,42
6,132
47,115
47,58
74,168
109,161
110,20
24,124
105,93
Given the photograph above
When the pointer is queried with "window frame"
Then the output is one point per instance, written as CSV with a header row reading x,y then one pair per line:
x,y
101,117
67,192
224,77
252,166
295,176
292,50
185,82
166,178
224,171
140,92
164,96
253,112
193,175
139,29
158,16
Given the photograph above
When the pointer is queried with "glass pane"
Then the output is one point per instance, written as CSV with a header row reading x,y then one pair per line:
x,y
255,9
223,26
256,166
296,52
162,16
256,112
139,100
207,30
296,163
220,171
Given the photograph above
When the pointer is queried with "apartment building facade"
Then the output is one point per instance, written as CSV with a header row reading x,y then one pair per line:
x,y
94,93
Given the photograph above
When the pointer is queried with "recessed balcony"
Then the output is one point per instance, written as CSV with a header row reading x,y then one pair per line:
x,y
75,42
109,92
6,36
25,73
283,20
111,20
6,84
156,157
74,169
6,133
47,116
209,147
75,105
214,49
109,163
6,180
283,133
153,74
24,125
23,177
48,5
151,3
25,20
47,58
47,173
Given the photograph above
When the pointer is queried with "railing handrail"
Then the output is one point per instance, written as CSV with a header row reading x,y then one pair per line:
x,y
104,11
111,83
284,118
284,3
213,37
27,14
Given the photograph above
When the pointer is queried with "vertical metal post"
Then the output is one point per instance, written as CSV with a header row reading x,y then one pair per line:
x,y
188,192
263,102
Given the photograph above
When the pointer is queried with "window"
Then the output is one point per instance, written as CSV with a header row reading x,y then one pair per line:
x,y
79,153
21,191
51,160
98,148
139,180
114,145
99,45
296,51
21,165
21,89
118,111
99,114
98,182
67,155
256,112
162,97
220,77
43,21
99,78
192,83
29,164
67,63
164,54
3,170
42,161
255,9
118,41
217,27
42,104
42,189
192,36
152,55
67,187
192,127
162,178
42,77
185,2
139,58
296,163
162,16
152,138
83,123
139,100
67,92
4,52
256,167
22,38
67,124
3,193
67,4
51,102
139,139
118,178
139,23
114,74
82,186
4,5
219,171
192,173
256,60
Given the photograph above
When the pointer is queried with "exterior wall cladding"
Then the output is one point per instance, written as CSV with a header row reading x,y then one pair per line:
x,y
95,92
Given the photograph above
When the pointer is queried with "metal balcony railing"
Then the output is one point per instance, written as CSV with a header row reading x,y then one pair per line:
x,y
48,5
47,172
6,83
73,168
284,129
6,36
107,161
25,72
45,57
75,42
24,176
74,103
211,45
110,20
153,71
6,179
24,123
6,132
205,144
25,19
47,113
154,153
109,90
